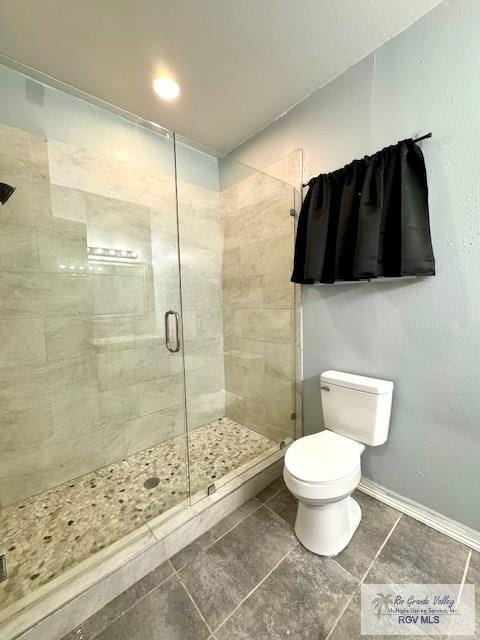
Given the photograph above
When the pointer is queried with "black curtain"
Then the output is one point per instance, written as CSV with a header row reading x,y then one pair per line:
x,y
366,220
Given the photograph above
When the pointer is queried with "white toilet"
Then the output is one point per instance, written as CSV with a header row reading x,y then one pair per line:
x,y
323,469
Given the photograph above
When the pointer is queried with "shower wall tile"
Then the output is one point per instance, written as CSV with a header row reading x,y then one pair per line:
x,y
232,343
160,393
28,386
278,400
39,294
205,233
74,416
245,382
259,304
17,433
14,142
62,246
209,323
131,366
67,337
274,324
206,379
48,465
250,412
21,341
31,204
67,203
119,295
281,297
280,359
199,353
118,405
205,408
242,296
117,224
18,248
143,432
201,252
109,177
106,327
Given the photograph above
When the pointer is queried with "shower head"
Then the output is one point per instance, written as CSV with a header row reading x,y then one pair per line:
x,y
5,192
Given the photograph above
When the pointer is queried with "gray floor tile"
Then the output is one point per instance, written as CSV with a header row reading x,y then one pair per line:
x,y
377,521
187,554
418,554
114,609
300,599
285,505
167,613
222,575
349,627
271,490
473,575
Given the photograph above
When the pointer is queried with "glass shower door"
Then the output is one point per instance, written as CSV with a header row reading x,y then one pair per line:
x,y
92,401
236,251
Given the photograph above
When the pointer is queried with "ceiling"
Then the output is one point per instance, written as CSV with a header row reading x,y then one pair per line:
x,y
240,63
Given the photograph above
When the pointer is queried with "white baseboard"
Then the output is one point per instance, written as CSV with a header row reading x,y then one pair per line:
x,y
451,528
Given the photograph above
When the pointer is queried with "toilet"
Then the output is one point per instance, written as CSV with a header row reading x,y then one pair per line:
x,y
322,470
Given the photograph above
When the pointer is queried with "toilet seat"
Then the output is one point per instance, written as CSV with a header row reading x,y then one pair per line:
x,y
323,457
323,466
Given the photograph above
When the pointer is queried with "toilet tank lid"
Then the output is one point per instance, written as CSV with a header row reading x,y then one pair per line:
x,y
360,383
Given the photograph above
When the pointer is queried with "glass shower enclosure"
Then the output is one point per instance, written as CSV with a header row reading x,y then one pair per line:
x,y
147,327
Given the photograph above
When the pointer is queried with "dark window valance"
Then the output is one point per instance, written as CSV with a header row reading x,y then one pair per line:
x,y
367,220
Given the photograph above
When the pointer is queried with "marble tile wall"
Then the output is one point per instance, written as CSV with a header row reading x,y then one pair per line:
x,y
85,378
201,246
258,309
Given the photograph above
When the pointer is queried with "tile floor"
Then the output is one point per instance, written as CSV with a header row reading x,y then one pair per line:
x,y
51,532
249,579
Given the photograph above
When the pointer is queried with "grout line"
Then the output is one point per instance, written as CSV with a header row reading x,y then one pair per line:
x,y
357,587
195,605
273,496
220,537
277,515
255,588
332,558
124,611
464,577
381,547
193,600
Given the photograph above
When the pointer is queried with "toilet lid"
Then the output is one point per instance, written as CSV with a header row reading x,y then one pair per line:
x,y
323,457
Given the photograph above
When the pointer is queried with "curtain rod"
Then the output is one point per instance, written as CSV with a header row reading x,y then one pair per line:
x,y
424,137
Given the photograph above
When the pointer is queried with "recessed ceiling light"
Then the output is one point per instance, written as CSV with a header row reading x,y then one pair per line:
x,y
166,88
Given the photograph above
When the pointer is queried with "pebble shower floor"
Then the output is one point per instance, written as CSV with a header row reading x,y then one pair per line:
x,y
53,531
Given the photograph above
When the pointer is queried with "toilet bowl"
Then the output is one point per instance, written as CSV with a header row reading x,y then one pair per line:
x,y
322,470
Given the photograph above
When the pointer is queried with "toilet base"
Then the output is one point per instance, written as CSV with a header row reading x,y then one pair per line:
x,y
326,529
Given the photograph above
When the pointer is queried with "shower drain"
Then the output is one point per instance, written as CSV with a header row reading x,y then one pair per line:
x,y
150,483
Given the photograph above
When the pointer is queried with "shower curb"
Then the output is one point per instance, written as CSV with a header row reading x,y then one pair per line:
x,y
83,590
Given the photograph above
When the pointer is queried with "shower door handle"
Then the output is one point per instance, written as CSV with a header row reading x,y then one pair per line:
x,y
176,347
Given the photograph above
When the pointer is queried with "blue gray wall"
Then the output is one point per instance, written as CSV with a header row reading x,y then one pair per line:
x,y
424,335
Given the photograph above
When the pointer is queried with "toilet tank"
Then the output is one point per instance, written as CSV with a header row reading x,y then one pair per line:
x,y
356,406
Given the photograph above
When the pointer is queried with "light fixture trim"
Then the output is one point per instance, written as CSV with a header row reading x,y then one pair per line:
x,y
166,88
105,253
